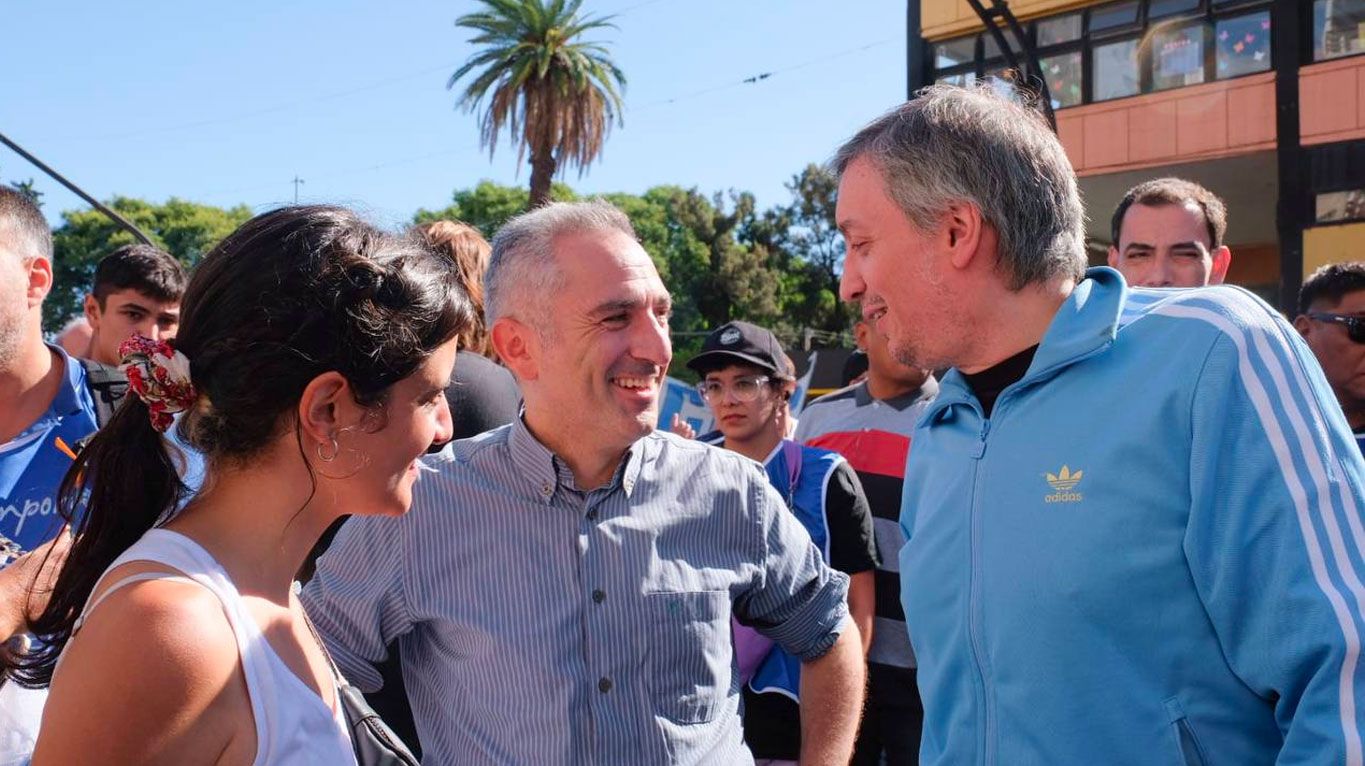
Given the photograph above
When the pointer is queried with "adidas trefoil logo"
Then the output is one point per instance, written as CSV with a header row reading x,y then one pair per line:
x,y
1064,485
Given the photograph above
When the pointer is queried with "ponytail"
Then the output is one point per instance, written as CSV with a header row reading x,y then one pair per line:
x,y
119,487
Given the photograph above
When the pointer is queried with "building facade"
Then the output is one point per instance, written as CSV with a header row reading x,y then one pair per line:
x,y
1261,101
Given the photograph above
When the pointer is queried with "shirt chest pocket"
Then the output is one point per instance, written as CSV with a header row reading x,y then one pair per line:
x,y
690,656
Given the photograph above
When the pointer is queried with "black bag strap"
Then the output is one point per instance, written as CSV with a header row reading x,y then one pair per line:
x,y
374,742
792,452
108,386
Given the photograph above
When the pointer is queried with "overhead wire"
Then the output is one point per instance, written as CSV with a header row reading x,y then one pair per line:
x,y
762,76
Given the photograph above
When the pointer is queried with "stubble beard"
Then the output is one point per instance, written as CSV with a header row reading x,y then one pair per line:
x,y
12,331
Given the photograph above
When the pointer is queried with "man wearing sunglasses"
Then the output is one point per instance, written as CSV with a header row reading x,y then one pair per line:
x,y
1332,321
747,380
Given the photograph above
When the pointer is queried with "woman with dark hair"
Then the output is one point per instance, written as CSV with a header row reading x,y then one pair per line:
x,y
310,367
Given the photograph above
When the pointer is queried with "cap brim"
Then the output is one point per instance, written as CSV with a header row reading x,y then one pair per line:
x,y
709,358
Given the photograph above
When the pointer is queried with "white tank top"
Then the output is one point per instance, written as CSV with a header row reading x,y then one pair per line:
x,y
294,726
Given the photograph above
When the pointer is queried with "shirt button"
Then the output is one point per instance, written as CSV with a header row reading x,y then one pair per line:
x,y
592,515
629,485
546,489
604,685
598,596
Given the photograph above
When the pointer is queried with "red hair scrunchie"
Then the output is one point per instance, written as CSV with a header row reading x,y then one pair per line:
x,y
160,376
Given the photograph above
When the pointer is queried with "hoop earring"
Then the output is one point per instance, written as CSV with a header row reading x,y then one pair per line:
x,y
336,450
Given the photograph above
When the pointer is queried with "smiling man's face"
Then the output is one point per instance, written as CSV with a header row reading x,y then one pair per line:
x,y
607,349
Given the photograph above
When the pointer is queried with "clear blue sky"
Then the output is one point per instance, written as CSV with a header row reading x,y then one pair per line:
x,y
226,103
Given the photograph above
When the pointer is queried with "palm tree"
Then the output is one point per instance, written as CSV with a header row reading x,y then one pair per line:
x,y
557,93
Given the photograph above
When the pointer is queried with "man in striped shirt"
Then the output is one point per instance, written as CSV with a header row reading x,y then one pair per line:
x,y
561,591
870,424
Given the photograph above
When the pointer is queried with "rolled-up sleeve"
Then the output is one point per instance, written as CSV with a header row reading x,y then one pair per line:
x,y
356,598
797,600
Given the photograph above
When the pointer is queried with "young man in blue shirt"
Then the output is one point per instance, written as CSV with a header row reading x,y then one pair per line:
x,y
1133,515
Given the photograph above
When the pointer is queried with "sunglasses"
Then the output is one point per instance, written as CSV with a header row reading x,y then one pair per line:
x,y
1355,326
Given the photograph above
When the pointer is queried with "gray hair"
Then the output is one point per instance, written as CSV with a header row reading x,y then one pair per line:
x,y
22,225
976,145
522,273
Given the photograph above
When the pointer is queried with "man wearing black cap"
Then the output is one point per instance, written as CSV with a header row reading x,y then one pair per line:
x,y
747,380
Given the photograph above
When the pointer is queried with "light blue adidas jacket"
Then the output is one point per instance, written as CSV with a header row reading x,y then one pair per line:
x,y
1150,554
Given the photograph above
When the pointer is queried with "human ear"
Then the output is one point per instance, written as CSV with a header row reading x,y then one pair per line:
x,y
518,346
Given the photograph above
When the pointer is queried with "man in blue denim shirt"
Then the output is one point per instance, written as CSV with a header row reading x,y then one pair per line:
x,y
561,591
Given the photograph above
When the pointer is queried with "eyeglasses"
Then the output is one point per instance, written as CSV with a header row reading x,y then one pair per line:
x,y
1355,326
744,389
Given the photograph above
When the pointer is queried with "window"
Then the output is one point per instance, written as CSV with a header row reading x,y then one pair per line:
x,y
1124,48
1160,8
950,53
1114,16
1061,29
989,49
1178,56
1063,74
1338,28
1242,44
1115,69
963,79
1341,206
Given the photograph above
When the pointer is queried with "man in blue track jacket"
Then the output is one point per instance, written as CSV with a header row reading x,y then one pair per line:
x,y
1133,515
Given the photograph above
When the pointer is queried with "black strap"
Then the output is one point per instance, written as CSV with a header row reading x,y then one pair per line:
x,y
374,742
108,386
792,452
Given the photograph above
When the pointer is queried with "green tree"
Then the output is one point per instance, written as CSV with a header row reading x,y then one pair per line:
x,y
805,241
27,189
556,93
814,233
187,230
487,206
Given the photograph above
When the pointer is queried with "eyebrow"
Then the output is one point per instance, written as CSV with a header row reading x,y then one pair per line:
x,y
135,307
1188,245
630,304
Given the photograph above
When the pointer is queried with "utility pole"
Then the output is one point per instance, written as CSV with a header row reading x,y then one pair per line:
x,y
297,181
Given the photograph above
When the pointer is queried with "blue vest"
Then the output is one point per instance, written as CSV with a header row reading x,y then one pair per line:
x,y
810,468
